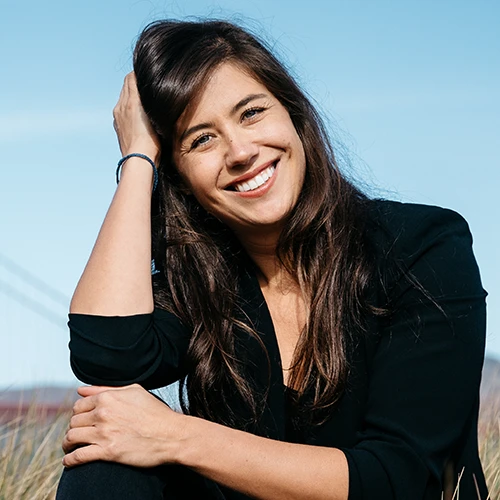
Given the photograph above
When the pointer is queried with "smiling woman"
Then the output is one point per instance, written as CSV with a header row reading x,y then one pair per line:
x,y
240,155
330,345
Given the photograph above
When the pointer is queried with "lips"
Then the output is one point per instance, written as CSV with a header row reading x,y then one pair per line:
x,y
255,179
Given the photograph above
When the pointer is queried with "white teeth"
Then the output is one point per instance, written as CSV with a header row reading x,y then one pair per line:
x,y
257,181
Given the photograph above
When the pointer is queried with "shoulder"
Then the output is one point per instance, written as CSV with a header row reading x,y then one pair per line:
x,y
421,247
402,229
399,219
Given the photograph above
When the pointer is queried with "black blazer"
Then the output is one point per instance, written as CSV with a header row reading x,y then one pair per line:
x,y
407,421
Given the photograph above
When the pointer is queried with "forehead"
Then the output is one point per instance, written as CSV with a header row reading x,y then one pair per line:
x,y
226,86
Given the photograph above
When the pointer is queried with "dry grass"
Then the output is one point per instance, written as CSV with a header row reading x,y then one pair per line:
x,y
30,454
489,444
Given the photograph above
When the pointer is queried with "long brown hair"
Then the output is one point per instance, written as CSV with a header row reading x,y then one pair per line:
x,y
322,245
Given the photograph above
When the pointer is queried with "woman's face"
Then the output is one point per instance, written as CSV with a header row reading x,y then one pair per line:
x,y
239,153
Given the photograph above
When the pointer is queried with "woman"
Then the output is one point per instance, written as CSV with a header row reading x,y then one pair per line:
x,y
330,345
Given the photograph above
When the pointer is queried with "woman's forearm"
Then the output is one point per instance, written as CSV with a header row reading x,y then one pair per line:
x,y
263,468
117,278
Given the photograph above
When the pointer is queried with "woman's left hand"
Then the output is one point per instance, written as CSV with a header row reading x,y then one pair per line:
x,y
121,424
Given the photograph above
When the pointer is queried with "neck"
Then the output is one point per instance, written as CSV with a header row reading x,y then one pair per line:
x,y
262,250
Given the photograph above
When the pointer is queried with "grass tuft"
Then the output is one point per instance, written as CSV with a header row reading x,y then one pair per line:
x,y
30,453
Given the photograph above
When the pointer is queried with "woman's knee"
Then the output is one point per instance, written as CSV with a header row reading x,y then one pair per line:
x,y
110,481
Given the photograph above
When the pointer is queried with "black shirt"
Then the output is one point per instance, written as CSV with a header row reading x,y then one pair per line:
x,y
408,417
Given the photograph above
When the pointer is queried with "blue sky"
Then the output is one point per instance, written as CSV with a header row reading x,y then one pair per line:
x,y
411,91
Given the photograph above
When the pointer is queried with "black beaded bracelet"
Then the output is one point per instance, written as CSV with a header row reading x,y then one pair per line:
x,y
144,157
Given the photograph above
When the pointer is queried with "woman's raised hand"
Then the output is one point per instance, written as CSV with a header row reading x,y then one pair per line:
x,y
133,128
122,424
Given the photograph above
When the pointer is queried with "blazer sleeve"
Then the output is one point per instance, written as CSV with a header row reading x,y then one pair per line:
x,y
148,349
426,371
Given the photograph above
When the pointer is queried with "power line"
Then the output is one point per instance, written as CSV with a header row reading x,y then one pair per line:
x,y
33,305
28,277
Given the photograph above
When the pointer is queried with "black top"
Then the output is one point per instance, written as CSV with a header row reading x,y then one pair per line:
x,y
407,421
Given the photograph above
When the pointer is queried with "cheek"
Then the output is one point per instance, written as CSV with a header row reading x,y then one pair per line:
x,y
187,172
283,132
200,182
195,188
296,146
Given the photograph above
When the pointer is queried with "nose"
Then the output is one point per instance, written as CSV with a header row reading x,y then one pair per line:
x,y
241,150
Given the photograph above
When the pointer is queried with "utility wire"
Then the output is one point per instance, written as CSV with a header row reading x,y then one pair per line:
x,y
34,281
33,305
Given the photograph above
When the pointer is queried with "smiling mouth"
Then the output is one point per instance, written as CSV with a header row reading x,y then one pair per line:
x,y
260,179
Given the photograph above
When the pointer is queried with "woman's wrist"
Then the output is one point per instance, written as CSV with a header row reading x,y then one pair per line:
x,y
141,157
137,169
145,148
191,437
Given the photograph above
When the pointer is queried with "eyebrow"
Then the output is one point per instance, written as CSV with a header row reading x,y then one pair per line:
x,y
249,98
